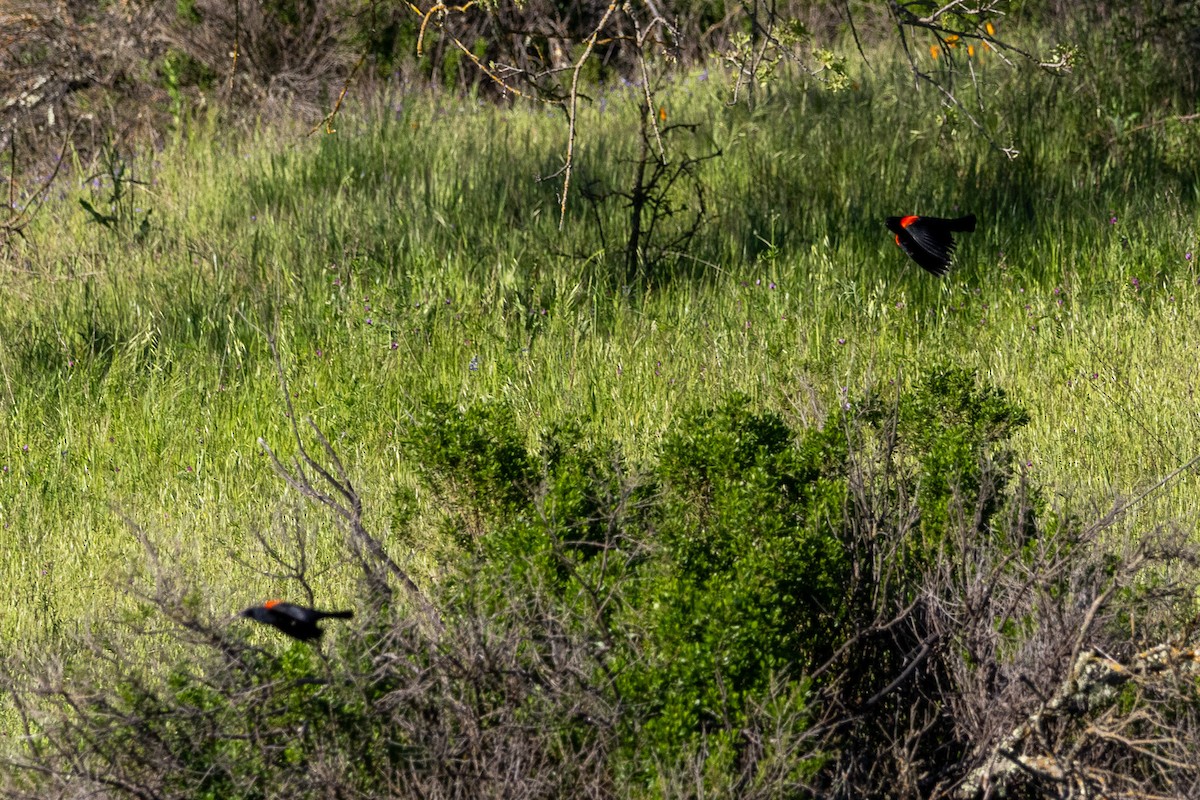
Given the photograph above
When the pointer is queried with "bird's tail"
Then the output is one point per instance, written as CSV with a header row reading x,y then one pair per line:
x,y
337,614
965,224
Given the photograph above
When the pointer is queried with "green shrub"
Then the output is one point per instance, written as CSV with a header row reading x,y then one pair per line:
x,y
730,560
476,463
747,578
952,427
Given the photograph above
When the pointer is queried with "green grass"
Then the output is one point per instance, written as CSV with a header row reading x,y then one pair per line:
x,y
136,376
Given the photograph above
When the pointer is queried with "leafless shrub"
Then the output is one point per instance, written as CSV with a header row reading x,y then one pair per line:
x,y
290,56
52,54
493,706
1025,659
1100,696
24,203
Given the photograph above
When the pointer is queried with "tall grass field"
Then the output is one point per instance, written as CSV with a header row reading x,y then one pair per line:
x,y
416,257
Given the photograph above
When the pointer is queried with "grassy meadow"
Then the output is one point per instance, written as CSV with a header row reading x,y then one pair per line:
x,y
414,257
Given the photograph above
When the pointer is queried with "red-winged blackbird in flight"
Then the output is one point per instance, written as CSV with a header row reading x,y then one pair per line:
x,y
927,240
296,621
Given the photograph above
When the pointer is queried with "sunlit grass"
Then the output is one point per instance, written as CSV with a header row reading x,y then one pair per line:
x,y
414,256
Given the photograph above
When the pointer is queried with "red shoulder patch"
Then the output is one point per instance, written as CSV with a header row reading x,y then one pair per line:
x,y
271,603
909,220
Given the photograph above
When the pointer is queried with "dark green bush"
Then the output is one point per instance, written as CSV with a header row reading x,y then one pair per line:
x,y
476,463
734,572
746,582
951,428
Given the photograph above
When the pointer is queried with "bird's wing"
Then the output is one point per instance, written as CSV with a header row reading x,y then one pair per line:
x,y
298,613
936,262
933,238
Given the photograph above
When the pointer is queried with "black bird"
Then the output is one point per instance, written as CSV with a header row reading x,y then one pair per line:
x,y
927,240
296,621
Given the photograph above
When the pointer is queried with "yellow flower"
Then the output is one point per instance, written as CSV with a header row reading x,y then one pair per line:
x,y
952,40
970,51
933,52
988,27
662,113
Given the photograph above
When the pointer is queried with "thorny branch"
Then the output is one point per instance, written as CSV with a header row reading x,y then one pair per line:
x,y
341,498
571,106
20,216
